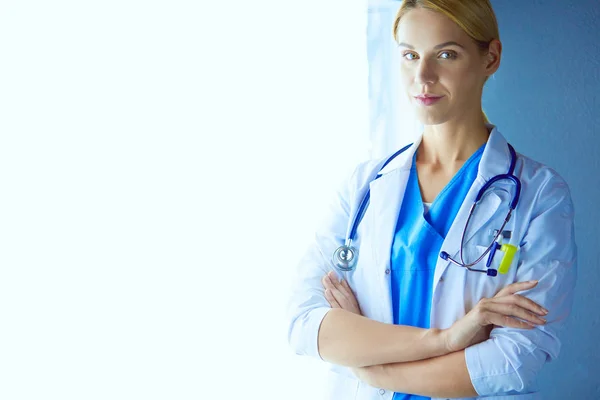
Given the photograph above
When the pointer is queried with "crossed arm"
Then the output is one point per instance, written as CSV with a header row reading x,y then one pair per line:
x,y
377,345
509,362
415,377
374,342
404,359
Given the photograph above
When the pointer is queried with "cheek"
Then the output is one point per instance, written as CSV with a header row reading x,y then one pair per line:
x,y
461,82
469,71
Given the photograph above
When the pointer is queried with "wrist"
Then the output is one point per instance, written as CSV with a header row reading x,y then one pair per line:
x,y
438,339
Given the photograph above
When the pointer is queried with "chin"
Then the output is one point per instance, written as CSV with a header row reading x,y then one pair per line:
x,y
431,118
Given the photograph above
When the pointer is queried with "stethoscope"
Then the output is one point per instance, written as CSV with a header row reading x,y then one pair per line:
x,y
345,257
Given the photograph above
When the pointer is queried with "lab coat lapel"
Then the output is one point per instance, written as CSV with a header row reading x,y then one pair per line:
x,y
495,160
387,193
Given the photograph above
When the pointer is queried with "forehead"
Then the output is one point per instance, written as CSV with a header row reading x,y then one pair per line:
x,y
423,28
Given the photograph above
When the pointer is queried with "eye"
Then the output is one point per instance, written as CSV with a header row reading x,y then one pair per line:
x,y
409,56
448,55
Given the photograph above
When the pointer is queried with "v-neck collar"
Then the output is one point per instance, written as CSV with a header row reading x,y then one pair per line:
x,y
455,178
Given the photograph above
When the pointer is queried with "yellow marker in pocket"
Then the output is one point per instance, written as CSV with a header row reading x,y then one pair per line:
x,y
509,253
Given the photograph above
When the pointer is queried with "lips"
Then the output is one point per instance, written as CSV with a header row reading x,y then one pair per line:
x,y
428,96
427,99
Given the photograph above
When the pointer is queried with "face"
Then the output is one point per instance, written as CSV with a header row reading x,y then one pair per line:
x,y
438,59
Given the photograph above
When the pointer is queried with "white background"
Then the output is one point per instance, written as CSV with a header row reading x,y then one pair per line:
x,y
162,166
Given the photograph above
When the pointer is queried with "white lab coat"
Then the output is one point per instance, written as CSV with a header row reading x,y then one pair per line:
x,y
503,367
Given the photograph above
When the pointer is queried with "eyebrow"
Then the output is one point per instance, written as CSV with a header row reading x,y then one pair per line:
x,y
439,46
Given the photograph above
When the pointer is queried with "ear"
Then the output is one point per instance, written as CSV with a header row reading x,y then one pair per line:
x,y
492,57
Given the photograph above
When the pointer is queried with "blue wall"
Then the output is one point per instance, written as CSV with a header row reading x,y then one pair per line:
x,y
544,99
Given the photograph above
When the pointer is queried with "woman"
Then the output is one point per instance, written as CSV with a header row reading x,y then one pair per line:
x,y
410,319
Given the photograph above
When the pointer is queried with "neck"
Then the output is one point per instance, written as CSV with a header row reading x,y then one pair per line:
x,y
452,142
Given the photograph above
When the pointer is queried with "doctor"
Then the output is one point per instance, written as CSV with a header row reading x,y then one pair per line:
x,y
431,298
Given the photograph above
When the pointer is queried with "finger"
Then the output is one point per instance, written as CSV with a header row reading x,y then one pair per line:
x,y
513,310
331,300
338,289
509,322
345,285
334,279
337,282
349,290
341,298
516,287
333,276
342,294
326,282
329,283
523,302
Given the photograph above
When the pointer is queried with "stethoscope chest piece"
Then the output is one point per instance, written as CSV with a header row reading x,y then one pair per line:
x,y
345,257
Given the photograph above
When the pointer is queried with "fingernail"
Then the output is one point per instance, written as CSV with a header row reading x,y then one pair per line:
x,y
544,310
533,281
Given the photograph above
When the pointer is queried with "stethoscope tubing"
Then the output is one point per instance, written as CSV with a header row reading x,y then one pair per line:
x,y
345,257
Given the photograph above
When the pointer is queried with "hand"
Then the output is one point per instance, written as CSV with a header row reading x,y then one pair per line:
x,y
502,310
339,294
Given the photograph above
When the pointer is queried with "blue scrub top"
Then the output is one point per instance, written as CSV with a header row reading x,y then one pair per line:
x,y
417,244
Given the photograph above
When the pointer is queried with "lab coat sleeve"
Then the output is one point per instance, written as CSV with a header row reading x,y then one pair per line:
x,y
306,305
510,360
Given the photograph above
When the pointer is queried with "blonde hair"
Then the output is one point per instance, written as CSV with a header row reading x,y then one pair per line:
x,y
475,17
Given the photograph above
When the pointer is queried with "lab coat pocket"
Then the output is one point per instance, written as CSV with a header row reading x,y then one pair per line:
x,y
505,261
481,284
495,263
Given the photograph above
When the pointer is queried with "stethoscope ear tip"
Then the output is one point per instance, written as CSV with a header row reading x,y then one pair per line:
x,y
492,272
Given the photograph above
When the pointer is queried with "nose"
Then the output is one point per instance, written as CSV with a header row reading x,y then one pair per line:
x,y
425,72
